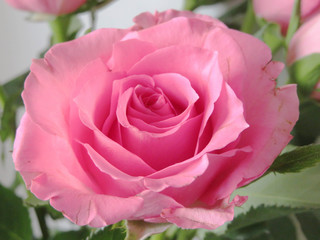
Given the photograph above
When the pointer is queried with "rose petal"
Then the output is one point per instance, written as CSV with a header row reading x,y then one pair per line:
x,y
192,218
53,81
146,19
126,53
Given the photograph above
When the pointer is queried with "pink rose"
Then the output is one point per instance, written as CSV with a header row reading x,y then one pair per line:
x,y
304,42
279,11
161,124
54,7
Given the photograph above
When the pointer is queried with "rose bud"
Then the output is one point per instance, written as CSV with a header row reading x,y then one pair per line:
x,y
304,43
54,7
280,11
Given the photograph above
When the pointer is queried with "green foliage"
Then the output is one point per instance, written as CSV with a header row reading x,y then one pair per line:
x,y
307,129
297,159
10,97
233,18
110,233
72,235
14,217
260,214
294,190
310,224
306,73
32,201
193,4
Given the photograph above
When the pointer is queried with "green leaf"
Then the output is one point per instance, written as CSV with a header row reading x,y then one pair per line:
x,y
10,96
306,73
295,190
110,233
307,129
72,235
297,159
310,225
294,21
281,229
260,214
257,231
14,217
212,236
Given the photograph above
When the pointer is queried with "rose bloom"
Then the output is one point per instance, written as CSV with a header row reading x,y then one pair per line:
x,y
280,11
160,122
54,7
306,41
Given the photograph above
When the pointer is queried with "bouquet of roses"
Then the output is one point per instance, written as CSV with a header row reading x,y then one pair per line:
x,y
178,127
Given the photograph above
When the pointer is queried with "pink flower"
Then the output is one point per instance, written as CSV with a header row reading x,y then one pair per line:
x,y
280,11
54,7
160,124
304,42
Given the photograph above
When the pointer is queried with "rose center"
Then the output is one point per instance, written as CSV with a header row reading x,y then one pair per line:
x,y
154,100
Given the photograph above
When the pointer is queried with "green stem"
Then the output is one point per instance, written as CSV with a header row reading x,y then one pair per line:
x,y
41,214
59,27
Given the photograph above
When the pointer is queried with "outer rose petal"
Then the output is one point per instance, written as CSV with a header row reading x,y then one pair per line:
x,y
64,183
53,83
55,7
146,20
201,217
280,11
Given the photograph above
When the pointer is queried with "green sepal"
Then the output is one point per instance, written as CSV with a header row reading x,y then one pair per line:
x,y
111,232
306,73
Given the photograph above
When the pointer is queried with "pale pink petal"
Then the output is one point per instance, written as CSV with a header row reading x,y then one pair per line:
x,y
163,150
53,81
153,204
208,218
84,208
189,31
280,11
147,19
178,175
305,41
56,7
227,122
52,172
126,53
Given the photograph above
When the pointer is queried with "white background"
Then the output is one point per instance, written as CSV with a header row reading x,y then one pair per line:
x,y
21,40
